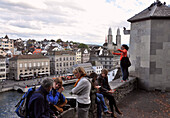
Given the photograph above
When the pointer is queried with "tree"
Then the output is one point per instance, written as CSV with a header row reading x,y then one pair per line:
x,y
82,45
59,40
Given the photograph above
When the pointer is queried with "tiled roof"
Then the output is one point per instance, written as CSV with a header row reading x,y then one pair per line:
x,y
155,10
28,57
62,52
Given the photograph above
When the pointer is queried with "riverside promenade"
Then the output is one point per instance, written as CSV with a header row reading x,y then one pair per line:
x,y
11,84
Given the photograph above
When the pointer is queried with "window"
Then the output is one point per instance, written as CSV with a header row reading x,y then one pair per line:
x,y
29,64
25,65
57,64
73,58
34,64
60,64
20,65
63,58
46,63
67,58
70,58
60,59
38,64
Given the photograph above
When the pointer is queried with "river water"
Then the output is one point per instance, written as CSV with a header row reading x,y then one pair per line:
x,y
9,99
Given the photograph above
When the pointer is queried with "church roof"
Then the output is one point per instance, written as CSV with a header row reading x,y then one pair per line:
x,y
154,11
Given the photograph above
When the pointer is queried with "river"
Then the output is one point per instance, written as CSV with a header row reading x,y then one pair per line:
x,y
9,99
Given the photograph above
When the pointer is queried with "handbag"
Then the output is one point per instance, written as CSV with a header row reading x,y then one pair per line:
x,y
125,62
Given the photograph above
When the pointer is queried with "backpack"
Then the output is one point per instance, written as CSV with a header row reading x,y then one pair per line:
x,y
22,105
125,62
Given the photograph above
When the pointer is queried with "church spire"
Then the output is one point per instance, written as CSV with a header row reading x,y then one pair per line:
x,y
110,31
118,31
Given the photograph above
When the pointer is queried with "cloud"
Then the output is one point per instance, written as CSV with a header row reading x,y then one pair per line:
x,y
84,21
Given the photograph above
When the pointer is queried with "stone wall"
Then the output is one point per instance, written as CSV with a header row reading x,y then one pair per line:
x,y
150,53
122,89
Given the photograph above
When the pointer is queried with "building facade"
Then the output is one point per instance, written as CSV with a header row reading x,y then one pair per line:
x,y
6,44
78,56
108,60
2,68
61,61
87,67
150,47
23,67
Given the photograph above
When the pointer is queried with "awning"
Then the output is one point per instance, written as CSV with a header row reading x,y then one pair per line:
x,y
27,75
43,73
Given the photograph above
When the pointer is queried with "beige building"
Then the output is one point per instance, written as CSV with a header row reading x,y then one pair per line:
x,y
78,56
2,68
6,44
29,66
61,61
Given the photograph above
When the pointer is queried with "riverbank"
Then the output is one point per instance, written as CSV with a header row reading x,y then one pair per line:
x,y
24,85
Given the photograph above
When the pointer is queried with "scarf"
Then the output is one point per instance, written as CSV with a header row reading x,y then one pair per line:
x,y
78,80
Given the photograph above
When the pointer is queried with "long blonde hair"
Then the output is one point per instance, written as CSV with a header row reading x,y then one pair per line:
x,y
79,70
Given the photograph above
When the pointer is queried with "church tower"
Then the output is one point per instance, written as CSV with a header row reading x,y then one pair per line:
x,y
118,39
110,36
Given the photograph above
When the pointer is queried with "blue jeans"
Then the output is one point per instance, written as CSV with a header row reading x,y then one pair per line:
x,y
100,104
125,73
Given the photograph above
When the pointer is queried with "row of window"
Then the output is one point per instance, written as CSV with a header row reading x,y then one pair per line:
x,y
65,59
64,64
33,64
32,73
106,58
99,67
107,63
3,75
2,65
2,70
33,69
6,42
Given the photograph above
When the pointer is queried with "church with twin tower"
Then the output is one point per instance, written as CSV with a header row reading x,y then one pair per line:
x,y
109,44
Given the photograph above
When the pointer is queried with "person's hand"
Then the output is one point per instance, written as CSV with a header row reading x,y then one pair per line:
x,y
61,89
97,87
54,116
113,52
111,91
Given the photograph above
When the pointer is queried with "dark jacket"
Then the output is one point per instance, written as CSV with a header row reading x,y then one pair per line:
x,y
38,105
103,82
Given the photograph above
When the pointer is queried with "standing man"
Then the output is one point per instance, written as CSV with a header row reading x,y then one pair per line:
x,y
38,105
123,50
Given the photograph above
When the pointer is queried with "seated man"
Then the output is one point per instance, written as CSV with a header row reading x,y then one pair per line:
x,y
38,106
55,97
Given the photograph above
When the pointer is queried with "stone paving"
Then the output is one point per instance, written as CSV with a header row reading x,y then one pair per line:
x,y
142,104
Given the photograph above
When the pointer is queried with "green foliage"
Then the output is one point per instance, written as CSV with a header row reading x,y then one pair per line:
x,y
82,45
59,40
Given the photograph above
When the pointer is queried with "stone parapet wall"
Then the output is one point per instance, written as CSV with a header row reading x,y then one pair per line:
x,y
122,89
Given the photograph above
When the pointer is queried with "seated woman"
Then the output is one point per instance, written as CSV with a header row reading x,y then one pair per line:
x,y
55,97
100,98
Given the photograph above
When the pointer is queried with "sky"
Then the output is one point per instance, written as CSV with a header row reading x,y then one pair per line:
x,y
85,21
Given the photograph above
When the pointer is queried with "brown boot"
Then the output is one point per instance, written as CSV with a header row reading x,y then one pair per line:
x,y
113,115
118,111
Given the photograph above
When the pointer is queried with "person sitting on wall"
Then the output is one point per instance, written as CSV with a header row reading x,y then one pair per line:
x,y
55,97
103,82
99,97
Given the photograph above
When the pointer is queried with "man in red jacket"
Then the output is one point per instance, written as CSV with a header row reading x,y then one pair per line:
x,y
123,50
